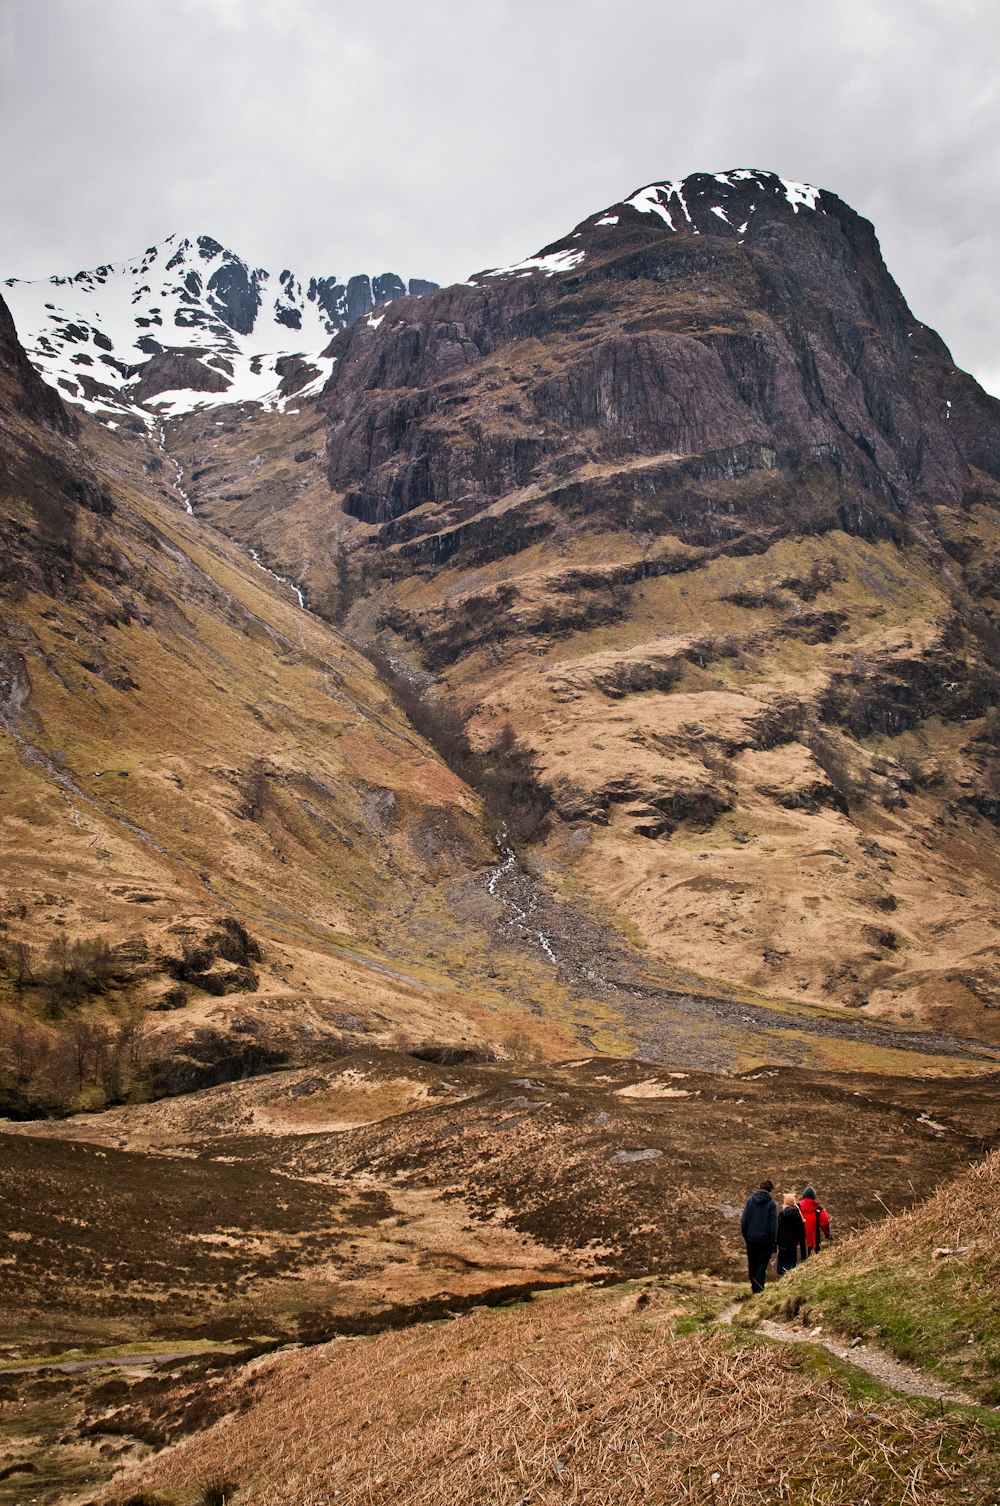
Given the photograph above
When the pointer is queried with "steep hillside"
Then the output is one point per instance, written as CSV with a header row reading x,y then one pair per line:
x,y
923,1283
212,809
693,502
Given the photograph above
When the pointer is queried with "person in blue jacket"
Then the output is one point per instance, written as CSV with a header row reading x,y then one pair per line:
x,y
759,1227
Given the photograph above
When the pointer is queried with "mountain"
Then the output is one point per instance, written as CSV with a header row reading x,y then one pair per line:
x,y
188,324
671,553
221,836
693,501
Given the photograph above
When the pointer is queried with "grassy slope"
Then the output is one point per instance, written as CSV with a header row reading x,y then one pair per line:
x,y
591,1396
618,1398
191,745
941,1312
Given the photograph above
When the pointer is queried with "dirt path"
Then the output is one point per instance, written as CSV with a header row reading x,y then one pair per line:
x,y
868,1357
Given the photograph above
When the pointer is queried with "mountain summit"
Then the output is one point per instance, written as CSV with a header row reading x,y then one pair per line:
x,y
189,323
697,205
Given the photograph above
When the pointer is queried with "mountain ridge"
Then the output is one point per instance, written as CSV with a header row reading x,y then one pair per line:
x,y
189,322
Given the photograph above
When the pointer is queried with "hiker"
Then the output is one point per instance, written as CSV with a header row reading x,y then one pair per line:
x,y
816,1220
759,1227
791,1235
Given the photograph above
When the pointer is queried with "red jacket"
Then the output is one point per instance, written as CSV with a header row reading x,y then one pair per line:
x,y
812,1214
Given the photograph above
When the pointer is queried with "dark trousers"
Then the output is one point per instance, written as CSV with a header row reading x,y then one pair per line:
x,y
787,1260
759,1252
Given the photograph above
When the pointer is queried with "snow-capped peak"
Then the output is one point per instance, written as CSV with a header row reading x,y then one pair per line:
x,y
731,197
188,324
702,204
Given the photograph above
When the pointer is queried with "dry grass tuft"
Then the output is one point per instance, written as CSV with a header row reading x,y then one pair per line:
x,y
960,1215
572,1400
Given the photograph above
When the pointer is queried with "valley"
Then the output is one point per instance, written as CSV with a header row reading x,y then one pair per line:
x,y
467,816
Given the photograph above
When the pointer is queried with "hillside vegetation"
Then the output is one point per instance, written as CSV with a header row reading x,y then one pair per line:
x,y
925,1284
225,845
588,1396
714,524
622,1395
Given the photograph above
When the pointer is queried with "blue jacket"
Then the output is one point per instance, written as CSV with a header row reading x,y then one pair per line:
x,y
760,1217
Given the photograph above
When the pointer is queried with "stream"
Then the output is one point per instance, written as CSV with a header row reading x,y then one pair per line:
x,y
518,916
282,579
161,440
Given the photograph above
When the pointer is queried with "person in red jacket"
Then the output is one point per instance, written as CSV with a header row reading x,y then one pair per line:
x,y
816,1220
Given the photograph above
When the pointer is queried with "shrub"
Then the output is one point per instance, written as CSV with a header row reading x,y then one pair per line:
x,y
515,798
256,792
74,969
506,775
19,961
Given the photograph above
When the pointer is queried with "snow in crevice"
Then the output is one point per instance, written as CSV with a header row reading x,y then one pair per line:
x,y
647,201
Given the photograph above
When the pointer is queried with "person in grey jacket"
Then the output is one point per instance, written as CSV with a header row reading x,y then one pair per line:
x,y
759,1227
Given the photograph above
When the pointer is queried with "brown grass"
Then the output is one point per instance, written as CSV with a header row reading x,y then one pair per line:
x,y
926,1283
581,1398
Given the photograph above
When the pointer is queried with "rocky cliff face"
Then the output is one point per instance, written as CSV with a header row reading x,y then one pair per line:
x,y
48,488
733,318
186,324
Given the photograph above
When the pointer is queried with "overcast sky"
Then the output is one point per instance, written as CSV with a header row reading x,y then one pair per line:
x,y
438,137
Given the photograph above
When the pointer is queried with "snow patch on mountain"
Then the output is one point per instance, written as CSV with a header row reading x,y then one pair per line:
x,y
745,190
556,261
701,204
189,325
